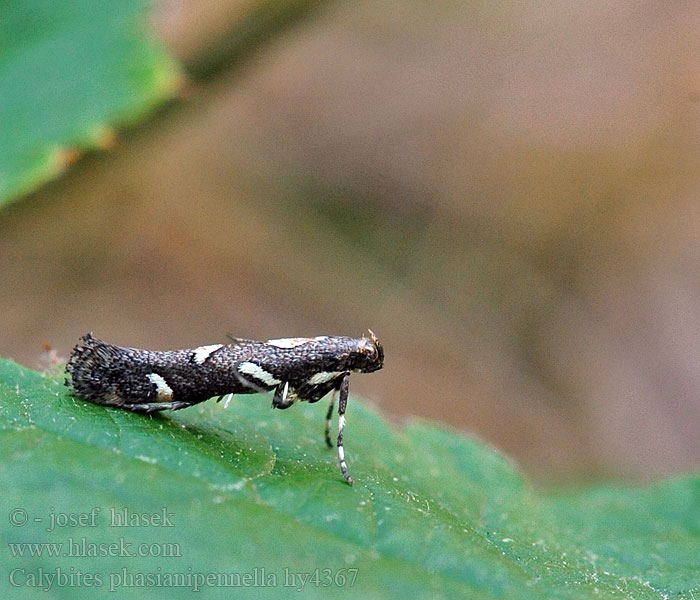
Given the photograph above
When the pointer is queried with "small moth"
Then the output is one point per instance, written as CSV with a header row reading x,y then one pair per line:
x,y
295,369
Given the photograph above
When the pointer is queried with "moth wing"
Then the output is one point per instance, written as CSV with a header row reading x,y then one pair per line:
x,y
293,342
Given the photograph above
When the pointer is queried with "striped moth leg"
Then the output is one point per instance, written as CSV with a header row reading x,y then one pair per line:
x,y
329,416
342,403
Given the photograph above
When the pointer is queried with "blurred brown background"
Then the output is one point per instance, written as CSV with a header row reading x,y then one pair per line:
x,y
506,193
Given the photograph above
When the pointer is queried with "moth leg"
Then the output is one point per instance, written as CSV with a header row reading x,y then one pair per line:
x,y
226,399
283,401
329,416
342,403
146,407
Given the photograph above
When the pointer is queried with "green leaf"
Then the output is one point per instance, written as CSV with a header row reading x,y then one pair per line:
x,y
69,72
256,501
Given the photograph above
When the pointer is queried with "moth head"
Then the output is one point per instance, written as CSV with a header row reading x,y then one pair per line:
x,y
369,356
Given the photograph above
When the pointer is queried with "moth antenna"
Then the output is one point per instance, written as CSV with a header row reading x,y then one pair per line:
x,y
237,340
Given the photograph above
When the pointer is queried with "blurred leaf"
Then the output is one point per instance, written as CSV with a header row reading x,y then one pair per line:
x,y
254,493
69,72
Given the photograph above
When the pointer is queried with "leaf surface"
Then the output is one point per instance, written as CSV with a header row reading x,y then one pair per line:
x,y
254,493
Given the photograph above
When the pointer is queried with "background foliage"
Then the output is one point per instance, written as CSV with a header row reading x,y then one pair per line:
x,y
70,72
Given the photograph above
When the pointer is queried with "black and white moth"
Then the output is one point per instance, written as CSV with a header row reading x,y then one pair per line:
x,y
296,369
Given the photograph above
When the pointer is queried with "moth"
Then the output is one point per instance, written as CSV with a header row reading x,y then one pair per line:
x,y
294,369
